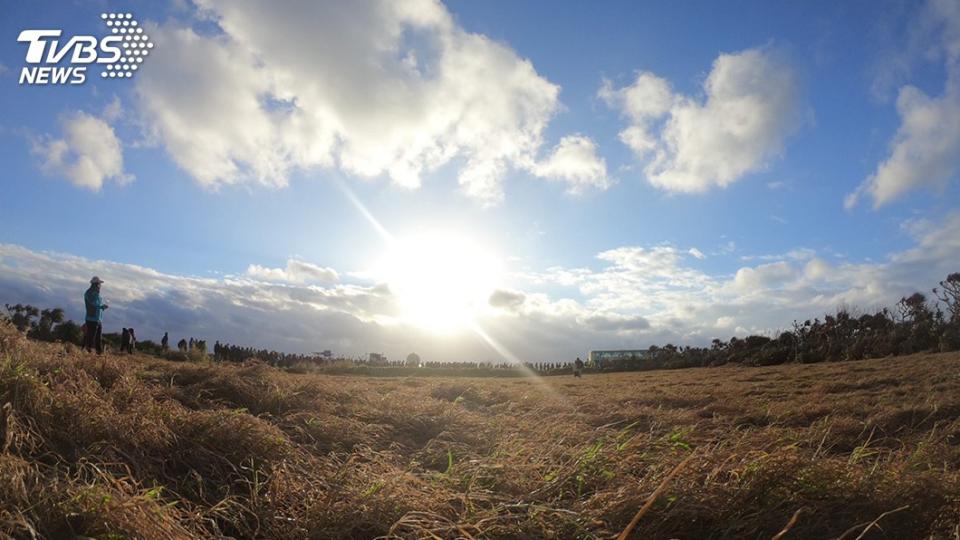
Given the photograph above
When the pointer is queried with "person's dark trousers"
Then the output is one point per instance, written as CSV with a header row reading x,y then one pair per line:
x,y
92,338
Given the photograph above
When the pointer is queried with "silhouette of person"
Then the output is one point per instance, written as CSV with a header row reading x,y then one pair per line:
x,y
577,367
131,340
165,342
93,323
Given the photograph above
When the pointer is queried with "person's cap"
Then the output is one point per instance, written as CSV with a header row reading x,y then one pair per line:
x,y
95,280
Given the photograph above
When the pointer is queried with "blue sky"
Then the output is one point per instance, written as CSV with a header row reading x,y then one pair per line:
x,y
640,172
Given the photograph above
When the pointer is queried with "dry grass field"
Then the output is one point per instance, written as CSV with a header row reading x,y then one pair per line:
x,y
135,447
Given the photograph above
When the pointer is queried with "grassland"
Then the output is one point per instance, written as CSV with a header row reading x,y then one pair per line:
x,y
135,447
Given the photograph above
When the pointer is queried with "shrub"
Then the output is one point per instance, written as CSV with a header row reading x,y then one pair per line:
x,y
950,338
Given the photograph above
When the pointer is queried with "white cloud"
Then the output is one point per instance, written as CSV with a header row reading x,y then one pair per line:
x,y
631,272
942,18
615,322
725,322
296,271
575,162
763,277
817,269
113,110
749,108
639,296
796,254
727,248
696,253
687,305
501,298
348,318
234,309
88,154
371,87
643,102
925,151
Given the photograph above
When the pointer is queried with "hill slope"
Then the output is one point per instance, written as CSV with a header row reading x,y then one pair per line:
x,y
135,447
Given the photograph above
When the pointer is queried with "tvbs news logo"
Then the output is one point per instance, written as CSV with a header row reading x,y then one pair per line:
x,y
118,55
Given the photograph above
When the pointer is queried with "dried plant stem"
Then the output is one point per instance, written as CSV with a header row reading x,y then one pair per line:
x,y
870,525
652,498
793,521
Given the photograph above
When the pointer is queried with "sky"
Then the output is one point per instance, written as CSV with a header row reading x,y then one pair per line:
x,y
481,180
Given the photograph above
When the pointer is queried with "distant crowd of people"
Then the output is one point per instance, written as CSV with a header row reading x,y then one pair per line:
x,y
187,345
540,367
224,352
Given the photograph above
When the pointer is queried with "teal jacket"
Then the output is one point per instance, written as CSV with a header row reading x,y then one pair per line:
x,y
94,304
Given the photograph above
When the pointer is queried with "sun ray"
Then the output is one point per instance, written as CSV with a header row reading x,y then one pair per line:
x,y
374,222
417,294
504,352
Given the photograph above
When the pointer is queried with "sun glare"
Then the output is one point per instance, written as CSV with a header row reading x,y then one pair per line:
x,y
442,281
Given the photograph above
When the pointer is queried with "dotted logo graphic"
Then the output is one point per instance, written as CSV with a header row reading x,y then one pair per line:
x,y
136,45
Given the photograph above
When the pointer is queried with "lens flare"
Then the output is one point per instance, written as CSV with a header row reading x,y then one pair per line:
x,y
442,281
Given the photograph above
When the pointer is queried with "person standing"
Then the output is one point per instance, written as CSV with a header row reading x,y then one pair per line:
x,y
577,367
165,342
131,340
93,327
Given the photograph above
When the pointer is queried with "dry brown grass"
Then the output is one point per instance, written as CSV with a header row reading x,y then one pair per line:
x,y
135,447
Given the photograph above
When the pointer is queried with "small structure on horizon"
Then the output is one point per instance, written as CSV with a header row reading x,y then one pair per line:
x,y
598,358
377,359
413,360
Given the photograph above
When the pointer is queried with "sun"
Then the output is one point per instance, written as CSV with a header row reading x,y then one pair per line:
x,y
442,280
